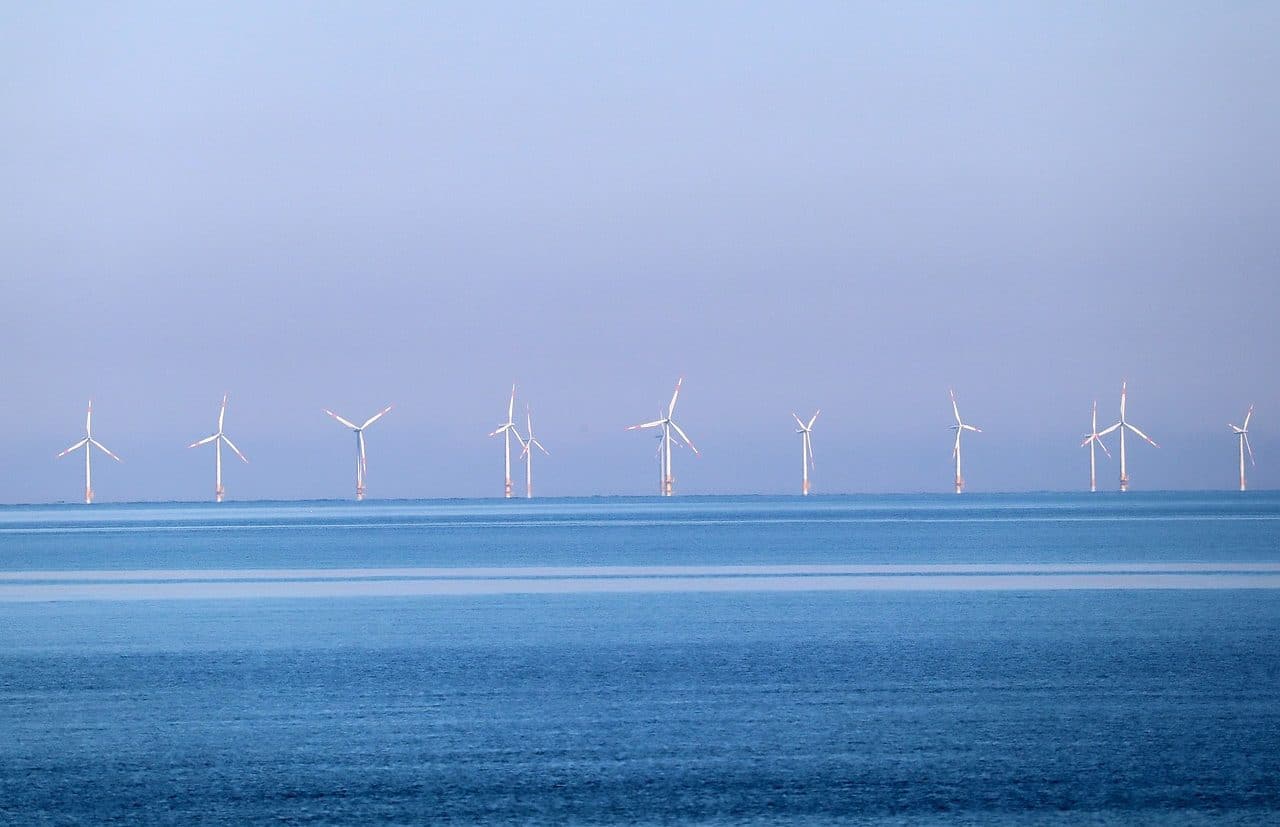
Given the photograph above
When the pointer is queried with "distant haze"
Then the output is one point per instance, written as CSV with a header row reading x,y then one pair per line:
x,y
844,206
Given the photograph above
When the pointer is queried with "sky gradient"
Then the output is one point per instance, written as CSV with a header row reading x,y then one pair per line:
x,y
845,206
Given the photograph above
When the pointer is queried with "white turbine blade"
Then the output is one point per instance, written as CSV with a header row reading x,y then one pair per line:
x,y
813,419
1106,431
671,409
686,439
348,423
222,414
808,443
1103,446
954,407
511,406
233,447
524,452
375,417
955,449
528,420
1134,428
88,420
204,441
1124,391
655,423
1247,416
973,428
1095,416
364,461
540,448
1088,439
104,450
519,438
1249,447
75,447
799,421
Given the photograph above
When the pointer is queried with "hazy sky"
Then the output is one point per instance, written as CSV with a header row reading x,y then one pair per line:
x,y
846,206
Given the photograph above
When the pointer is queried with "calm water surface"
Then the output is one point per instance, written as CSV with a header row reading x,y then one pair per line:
x,y
1001,659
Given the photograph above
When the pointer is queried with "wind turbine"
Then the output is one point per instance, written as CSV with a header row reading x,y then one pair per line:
x,y
217,439
960,427
508,429
362,465
806,447
1094,439
1242,431
527,453
1122,425
88,444
667,424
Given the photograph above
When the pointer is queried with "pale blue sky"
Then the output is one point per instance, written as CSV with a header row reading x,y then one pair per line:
x,y
849,206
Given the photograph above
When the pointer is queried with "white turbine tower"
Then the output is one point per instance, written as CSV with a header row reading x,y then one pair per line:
x,y
806,448
1122,426
1242,431
88,444
960,427
1094,439
527,453
218,438
362,465
667,424
508,429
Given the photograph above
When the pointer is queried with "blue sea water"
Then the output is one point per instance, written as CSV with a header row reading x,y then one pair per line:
x,y
895,659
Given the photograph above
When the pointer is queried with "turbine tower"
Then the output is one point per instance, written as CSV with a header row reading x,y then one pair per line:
x,y
1094,439
88,444
508,429
668,425
806,448
218,438
960,427
1122,426
362,465
1242,431
527,453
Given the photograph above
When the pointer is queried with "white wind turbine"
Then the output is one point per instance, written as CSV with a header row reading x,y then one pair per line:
x,y
1242,431
508,429
1094,439
362,465
806,447
527,453
960,427
1122,426
88,444
217,439
667,424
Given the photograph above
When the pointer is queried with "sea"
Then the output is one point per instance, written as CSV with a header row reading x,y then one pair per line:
x,y
914,659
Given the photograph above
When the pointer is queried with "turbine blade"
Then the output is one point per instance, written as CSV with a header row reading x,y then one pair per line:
x,y
671,409
364,460
686,439
375,417
346,422
204,441
1134,428
954,407
75,447
798,421
540,448
1124,391
104,450
652,424
222,413
813,419
955,449
1245,427
88,420
1103,446
233,447
973,428
1249,447
511,407
1106,431
808,442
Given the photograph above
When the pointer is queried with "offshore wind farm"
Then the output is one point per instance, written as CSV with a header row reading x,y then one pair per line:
x,y
808,227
